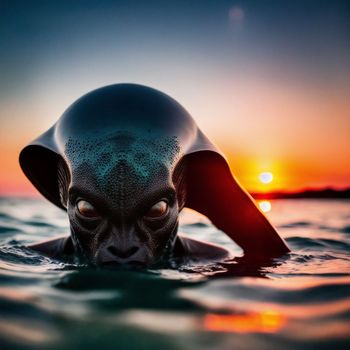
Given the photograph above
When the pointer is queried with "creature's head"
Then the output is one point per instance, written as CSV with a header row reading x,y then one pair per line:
x,y
115,162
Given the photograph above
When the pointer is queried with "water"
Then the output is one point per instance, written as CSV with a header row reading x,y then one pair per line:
x,y
301,301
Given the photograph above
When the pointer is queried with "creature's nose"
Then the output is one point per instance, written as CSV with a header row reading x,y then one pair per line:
x,y
123,253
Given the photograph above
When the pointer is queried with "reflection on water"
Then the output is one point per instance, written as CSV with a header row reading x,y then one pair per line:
x,y
299,301
265,206
260,322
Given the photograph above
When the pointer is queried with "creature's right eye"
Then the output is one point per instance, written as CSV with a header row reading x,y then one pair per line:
x,y
87,210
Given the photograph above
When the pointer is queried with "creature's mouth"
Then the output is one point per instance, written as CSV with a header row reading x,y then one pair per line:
x,y
129,264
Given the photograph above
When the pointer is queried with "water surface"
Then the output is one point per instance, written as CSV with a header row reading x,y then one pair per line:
x,y
300,301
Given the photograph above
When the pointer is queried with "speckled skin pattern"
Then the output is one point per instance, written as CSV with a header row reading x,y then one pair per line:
x,y
122,174
123,156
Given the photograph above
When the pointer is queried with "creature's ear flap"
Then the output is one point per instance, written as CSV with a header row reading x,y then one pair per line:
x,y
211,189
214,192
39,164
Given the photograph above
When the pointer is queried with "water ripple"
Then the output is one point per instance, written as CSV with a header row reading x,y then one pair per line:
x,y
301,301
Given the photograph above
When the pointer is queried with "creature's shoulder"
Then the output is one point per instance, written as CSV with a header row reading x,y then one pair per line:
x,y
202,250
54,248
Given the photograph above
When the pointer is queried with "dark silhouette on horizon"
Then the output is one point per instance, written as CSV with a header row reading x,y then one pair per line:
x,y
327,192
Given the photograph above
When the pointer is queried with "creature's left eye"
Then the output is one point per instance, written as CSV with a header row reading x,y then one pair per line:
x,y
87,210
157,210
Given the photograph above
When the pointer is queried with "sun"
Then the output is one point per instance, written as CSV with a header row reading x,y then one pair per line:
x,y
266,177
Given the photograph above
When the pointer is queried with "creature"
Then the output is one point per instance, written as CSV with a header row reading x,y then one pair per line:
x,y
123,161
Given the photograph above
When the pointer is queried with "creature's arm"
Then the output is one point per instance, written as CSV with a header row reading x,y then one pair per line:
x,y
216,194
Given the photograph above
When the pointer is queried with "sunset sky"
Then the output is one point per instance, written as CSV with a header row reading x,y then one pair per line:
x,y
267,81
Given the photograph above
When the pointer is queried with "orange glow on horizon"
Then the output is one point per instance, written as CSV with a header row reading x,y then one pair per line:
x,y
263,322
289,174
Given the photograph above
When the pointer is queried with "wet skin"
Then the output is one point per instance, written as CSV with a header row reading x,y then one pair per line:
x,y
128,221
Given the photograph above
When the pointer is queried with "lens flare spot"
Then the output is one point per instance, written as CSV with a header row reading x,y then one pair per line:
x,y
236,14
265,206
266,177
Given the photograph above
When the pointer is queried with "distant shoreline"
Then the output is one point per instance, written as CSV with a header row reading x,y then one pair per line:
x,y
308,193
